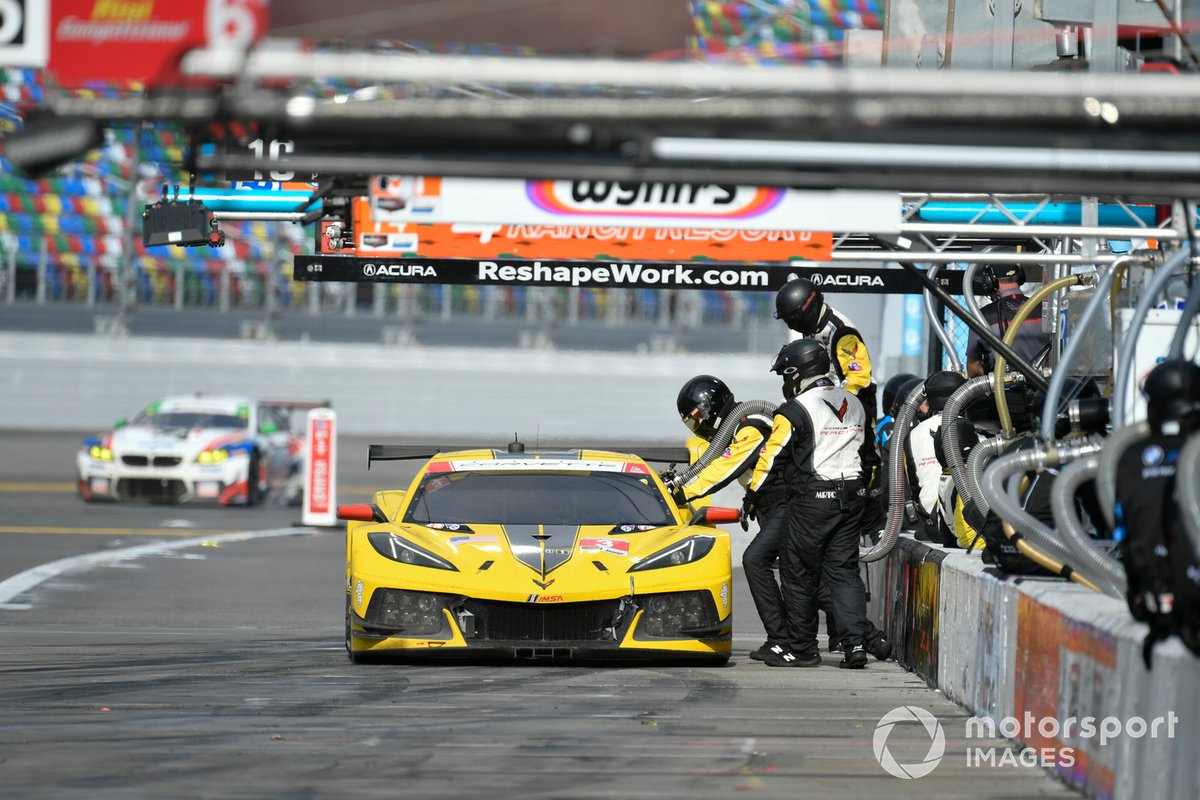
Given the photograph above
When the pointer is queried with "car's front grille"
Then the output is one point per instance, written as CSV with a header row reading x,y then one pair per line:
x,y
167,461
135,461
532,622
152,489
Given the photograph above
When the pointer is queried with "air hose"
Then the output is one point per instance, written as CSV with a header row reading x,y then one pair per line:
x,y
1129,342
969,291
1028,530
897,477
1108,571
724,436
1187,483
1106,476
1010,336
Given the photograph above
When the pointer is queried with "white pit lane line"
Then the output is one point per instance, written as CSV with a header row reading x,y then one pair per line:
x,y
31,578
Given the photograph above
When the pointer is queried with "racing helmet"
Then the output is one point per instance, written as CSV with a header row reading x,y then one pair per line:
x,y
702,403
986,282
799,305
939,386
1173,395
892,396
798,360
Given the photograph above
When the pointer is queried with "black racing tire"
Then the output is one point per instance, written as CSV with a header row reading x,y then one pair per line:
x,y
355,658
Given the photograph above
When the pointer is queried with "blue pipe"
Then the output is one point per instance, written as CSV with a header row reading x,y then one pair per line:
x,y
1110,214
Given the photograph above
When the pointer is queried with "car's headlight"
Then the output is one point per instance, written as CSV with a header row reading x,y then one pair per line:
x,y
100,453
690,549
389,545
212,456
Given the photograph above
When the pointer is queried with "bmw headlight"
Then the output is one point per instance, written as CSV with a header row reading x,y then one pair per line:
x,y
212,456
389,545
100,453
690,549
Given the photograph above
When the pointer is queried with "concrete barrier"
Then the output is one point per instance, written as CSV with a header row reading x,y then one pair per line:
x,y
64,381
1017,649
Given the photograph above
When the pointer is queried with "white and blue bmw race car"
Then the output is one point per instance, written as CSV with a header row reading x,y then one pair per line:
x,y
222,449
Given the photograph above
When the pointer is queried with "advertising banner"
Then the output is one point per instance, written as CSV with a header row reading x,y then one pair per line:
x,y
320,468
23,39
607,204
611,274
119,41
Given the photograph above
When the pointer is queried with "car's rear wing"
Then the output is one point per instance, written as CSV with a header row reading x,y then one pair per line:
x,y
298,404
411,452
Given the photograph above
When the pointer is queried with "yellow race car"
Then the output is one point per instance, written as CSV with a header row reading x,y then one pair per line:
x,y
575,554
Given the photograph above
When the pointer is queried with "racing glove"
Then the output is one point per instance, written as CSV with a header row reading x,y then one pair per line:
x,y
749,509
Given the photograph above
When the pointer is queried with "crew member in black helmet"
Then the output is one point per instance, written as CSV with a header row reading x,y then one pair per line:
x,y
815,445
1002,283
925,471
802,307
704,404
1161,566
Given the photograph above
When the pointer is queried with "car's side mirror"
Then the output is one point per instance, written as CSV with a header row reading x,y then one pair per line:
x,y
268,427
121,423
711,515
361,512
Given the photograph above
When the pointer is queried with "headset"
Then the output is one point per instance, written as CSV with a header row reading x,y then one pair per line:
x,y
986,282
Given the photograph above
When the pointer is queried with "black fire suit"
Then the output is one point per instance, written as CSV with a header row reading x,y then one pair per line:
x,y
758,561
815,443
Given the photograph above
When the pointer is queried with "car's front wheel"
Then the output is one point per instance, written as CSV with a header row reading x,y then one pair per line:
x,y
356,658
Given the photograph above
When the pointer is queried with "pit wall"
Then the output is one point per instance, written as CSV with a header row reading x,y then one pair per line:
x,y
1006,647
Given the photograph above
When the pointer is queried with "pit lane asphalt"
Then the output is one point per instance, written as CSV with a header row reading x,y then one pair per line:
x,y
218,671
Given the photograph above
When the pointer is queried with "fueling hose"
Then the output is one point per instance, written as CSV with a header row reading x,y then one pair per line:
x,y
1044,561
1106,476
1108,571
1010,336
1129,342
897,477
977,462
1028,530
723,437
939,329
1187,483
963,396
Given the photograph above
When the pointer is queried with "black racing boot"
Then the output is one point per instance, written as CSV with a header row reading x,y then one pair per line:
x,y
855,658
768,647
791,659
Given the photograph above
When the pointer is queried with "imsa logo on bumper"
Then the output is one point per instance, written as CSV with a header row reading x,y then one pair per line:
x,y
544,598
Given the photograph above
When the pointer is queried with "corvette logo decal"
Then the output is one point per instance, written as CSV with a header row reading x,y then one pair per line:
x,y
839,412
545,585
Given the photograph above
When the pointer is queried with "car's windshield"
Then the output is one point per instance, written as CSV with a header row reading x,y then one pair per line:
x,y
189,419
543,498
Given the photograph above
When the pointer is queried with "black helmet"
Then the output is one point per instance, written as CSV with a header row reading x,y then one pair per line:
x,y
892,398
939,386
1173,394
799,304
703,402
987,280
803,358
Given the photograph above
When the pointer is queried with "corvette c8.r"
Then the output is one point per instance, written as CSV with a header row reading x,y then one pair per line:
x,y
571,554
